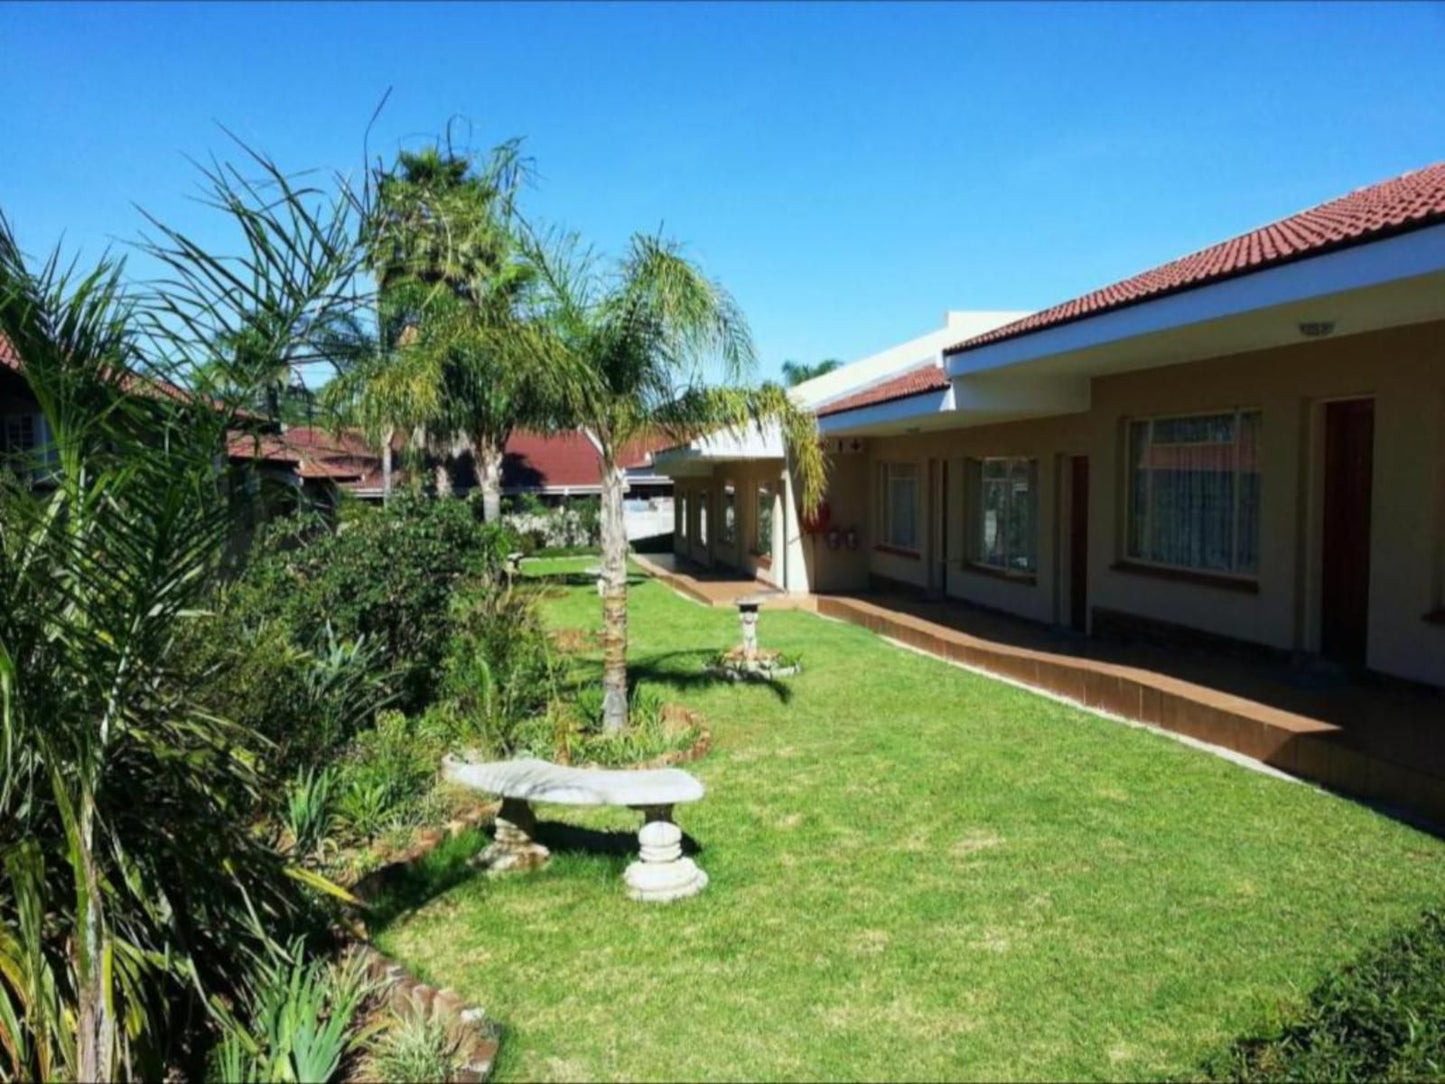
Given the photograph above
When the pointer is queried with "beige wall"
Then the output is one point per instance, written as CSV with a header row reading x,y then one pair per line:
x,y
1403,369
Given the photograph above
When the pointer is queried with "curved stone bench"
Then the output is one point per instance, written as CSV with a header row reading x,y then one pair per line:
x,y
660,874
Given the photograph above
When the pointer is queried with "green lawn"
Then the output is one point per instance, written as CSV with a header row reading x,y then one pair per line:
x,y
919,873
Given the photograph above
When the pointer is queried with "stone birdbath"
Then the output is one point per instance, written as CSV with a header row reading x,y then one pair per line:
x,y
600,575
748,661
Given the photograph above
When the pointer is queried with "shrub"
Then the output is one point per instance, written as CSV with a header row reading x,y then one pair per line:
x,y
414,1049
500,669
650,732
385,773
385,575
308,814
1383,1018
297,1022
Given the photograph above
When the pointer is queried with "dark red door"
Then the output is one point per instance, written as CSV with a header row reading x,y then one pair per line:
x,y
1079,544
1345,587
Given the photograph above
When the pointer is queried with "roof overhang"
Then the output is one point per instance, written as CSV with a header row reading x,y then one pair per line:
x,y
1388,283
1381,284
752,442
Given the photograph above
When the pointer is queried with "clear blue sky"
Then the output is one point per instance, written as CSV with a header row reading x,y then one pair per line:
x,y
849,171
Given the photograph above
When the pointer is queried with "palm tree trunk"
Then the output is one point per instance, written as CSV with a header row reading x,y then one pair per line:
x,y
489,453
614,601
95,1026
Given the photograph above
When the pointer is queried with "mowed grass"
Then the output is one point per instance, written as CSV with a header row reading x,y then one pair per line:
x,y
918,873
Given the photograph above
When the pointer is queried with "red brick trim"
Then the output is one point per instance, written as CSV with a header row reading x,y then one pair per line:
x,y
1184,575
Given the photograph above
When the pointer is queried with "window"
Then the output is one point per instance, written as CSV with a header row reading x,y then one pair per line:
x,y
1004,512
1194,492
728,534
702,503
763,538
682,515
900,505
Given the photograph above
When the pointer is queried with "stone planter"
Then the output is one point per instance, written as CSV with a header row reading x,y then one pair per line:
x,y
761,665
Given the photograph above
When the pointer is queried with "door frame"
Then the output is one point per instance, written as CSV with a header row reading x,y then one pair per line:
x,y
1311,586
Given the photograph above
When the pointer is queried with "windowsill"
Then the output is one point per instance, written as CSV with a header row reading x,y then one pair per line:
x,y
1435,617
1184,575
898,551
1027,579
763,560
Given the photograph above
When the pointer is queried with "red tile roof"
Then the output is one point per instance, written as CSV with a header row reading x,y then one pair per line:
x,y
639,452
1407,202
536,461
914,382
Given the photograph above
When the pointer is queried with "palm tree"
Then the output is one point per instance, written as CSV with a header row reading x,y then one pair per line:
x,y
129,878
797,372
451,288
634,344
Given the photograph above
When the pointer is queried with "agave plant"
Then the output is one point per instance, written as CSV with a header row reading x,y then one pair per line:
x,y
129,882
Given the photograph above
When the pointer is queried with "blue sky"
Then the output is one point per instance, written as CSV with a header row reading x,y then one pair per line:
x,y
849,171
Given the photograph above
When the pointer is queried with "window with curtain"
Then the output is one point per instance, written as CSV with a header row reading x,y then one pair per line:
x,y
682,514
728,531
1194,492
702,502
1004,514
763,538
899,504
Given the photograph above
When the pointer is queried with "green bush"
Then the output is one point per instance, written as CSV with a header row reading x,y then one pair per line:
x,y
500,671
414,1050
384,774
386,575
299,1017
1383,1018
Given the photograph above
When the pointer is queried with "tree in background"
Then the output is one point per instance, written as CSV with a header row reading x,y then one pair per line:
x,y
451,290
797,372
634,343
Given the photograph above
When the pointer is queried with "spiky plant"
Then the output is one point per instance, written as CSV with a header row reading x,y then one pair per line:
x,y
129,882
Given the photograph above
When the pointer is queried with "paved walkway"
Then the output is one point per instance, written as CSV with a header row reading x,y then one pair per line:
x,y
716,588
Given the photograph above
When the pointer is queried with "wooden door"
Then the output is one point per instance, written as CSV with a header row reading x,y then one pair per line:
x,y
1345,565
1079,543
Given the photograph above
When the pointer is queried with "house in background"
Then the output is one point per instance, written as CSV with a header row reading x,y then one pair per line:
x,y
559,466
1241,448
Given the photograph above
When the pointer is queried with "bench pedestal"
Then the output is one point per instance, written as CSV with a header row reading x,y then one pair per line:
x,y
513,848
661,873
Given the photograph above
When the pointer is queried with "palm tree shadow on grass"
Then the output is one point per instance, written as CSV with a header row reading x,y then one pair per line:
x,y
681,671
402,888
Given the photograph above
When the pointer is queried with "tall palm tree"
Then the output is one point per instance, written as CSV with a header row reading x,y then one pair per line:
x,y
451,288
636,343
798,372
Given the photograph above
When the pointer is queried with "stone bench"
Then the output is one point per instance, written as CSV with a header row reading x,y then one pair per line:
x,y
661,872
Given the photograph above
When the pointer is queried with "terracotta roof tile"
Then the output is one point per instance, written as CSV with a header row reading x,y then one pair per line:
x,y
925,378
1411,201
537,461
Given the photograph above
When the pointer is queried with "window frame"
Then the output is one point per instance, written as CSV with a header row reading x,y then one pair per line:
x,y
700,534
1127,558
886,481
975,508
682,513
